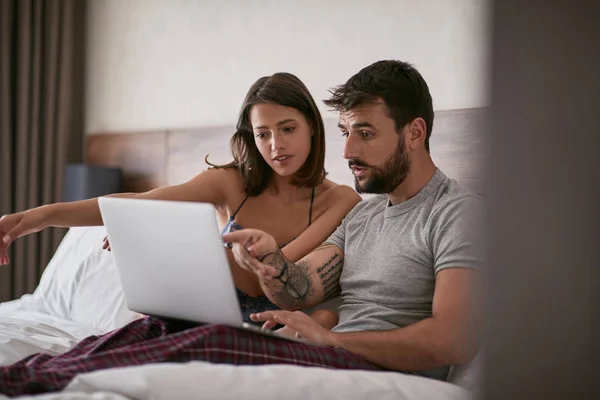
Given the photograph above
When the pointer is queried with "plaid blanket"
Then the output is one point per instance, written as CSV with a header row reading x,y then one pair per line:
x,y
150,340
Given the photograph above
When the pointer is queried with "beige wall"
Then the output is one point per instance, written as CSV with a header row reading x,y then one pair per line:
x,y
188,63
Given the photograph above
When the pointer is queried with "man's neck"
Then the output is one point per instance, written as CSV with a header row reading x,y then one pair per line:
x,y
421,172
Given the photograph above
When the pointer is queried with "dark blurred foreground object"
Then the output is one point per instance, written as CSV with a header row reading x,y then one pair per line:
x,y
543,339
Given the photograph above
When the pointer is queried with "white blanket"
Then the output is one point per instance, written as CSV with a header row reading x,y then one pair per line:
x,y
199,380
25,333
71,396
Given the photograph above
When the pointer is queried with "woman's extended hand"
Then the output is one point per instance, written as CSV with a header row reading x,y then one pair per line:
x,y
13,226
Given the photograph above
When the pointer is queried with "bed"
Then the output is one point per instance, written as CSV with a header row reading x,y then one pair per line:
x,y
79,293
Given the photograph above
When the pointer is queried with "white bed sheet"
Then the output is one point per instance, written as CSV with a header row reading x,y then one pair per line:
x,y
27,332
70,396
201,380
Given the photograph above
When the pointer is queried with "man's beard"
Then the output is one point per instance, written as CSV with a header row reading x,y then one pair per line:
x,y
386,179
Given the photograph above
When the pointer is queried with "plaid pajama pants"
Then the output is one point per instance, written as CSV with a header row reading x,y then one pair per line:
x,y
151,340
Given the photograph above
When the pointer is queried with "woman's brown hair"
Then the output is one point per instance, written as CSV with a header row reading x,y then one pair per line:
x,y
286,90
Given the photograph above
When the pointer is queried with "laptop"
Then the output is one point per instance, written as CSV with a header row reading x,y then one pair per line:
x,y
172,263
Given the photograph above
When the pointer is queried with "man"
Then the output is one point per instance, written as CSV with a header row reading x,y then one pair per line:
x,y
405,264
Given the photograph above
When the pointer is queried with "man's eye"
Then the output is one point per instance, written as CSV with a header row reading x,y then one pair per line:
x,y
366,134
344,133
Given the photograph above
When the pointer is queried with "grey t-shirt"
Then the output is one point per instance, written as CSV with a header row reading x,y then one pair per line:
x,y
393,253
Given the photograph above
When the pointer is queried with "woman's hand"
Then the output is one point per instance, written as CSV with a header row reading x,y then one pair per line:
x,y
251,247
13,226
105,243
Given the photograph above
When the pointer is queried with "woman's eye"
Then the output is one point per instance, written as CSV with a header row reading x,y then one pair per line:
x,y
261,135
289,129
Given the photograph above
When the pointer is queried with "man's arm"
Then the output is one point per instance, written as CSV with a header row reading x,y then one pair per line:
x,y
304,284
291,286
450,337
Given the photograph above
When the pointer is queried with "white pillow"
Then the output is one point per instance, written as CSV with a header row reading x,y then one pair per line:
x,y
98,297
79,284
54,293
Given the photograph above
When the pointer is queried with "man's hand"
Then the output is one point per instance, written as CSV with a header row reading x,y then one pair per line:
x,y
305,326
251,248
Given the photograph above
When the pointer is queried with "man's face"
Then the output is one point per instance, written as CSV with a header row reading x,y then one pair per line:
x,y
375,151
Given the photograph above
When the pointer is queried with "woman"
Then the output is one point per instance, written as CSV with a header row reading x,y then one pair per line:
x,y
276,183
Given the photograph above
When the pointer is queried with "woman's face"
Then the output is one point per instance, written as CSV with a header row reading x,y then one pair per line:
x,y
282,135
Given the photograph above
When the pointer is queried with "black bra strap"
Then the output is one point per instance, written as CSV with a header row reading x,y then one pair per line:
x,y
312,199
238,209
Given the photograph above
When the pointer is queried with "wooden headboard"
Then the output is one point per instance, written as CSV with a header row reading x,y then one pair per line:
x,y
166,157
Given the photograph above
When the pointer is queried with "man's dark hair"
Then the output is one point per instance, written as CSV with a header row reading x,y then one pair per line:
x,y
397,83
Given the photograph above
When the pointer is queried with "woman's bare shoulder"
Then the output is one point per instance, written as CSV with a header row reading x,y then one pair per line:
x,y
229,173
335,192
225,177
227,181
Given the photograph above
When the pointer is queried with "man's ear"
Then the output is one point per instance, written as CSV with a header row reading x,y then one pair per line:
x,y
416,133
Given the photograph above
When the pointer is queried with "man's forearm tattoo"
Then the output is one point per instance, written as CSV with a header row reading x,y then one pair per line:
x,y
330,273
297,285
297,282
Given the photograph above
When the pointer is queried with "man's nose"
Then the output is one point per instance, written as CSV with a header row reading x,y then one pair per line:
x,y
351,148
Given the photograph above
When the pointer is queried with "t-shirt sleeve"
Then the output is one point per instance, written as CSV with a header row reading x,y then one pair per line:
x,y
338,237
457,235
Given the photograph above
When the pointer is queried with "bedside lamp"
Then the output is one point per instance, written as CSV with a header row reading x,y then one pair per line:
x,y
84,181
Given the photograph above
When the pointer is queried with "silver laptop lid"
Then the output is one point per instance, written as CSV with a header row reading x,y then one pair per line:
x,y
171,260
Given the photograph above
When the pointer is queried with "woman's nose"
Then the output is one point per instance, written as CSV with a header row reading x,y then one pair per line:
x,y
277,142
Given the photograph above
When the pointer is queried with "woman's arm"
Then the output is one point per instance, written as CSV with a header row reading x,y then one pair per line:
x,y
210,186
207,187
341,200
